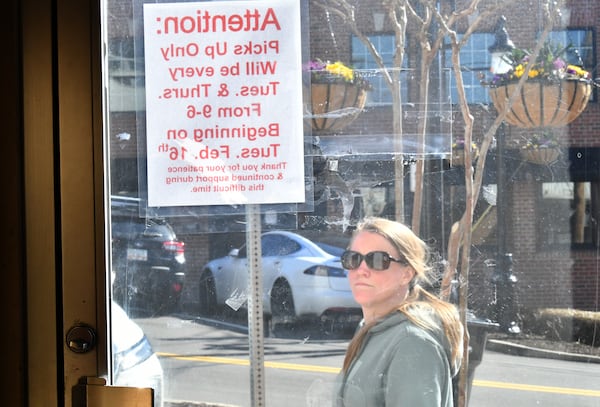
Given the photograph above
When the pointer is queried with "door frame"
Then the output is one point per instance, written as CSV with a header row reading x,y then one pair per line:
x,y
63,190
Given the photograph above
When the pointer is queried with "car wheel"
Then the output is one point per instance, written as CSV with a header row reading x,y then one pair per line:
x,y
282,304
208,294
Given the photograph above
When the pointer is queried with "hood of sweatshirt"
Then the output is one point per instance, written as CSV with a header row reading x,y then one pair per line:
x,y
396,318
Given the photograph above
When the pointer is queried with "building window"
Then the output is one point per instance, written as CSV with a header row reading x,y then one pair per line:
x,y
582,51
582,45
475,61
126,76
568,214
363,60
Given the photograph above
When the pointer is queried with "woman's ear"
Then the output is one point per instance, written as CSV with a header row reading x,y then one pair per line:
x,y
407,274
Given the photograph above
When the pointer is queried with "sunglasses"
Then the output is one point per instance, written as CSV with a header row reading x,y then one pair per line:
x,y
375,260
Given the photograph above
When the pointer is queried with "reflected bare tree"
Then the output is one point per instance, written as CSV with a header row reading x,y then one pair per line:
x,y
435,25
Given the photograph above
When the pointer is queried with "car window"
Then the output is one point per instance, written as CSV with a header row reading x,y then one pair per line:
x,y
333,250
132,228
278,245
158,230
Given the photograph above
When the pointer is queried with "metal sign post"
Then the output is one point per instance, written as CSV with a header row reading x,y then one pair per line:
x,y
255,306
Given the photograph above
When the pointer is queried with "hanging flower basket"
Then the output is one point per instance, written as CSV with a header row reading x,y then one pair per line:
x,y
541,156
334,106
554,93
334,96
541,147
542,103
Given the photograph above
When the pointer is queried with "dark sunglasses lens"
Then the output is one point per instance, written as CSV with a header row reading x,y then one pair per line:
x,y
378,260
351,260
375,260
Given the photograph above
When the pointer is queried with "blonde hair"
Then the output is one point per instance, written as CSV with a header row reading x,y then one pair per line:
x,y
421,307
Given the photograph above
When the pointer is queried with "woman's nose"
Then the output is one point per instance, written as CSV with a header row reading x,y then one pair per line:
x,y
362,268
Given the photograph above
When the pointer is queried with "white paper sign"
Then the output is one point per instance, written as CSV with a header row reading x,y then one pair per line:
x,y
224,103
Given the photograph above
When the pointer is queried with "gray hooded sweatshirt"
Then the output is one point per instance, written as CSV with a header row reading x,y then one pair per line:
x,y
399,364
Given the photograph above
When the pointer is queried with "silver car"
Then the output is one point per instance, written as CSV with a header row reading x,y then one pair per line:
x,y
301,280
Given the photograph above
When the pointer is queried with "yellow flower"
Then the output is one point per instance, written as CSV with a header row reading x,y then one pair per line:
x,y
577,70
534,72
519,70
340,69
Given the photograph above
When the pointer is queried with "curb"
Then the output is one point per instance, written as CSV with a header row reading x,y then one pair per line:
x,y
521,350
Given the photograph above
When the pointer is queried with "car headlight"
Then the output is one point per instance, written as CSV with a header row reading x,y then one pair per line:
x,y
325,271
133,356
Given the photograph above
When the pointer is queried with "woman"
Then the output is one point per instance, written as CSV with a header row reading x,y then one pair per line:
x,y
409,344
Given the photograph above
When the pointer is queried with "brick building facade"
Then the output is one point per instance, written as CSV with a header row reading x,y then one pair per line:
x,y
550,274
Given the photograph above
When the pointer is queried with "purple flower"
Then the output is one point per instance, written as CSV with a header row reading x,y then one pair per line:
x,y
549,65
316,65
559,64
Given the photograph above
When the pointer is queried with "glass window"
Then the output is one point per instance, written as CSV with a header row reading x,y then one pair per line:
x,y
581,42
276,245
581,50
183,270
363,60
126,76
568,214
475,61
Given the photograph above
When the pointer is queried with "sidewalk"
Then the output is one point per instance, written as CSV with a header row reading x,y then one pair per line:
x,y
510,348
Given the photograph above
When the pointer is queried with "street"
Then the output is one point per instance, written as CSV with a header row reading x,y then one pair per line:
x,y
208,362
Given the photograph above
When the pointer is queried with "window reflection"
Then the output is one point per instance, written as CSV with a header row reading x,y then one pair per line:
x,y
569,214
476,61
581,51
363,60
552,211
